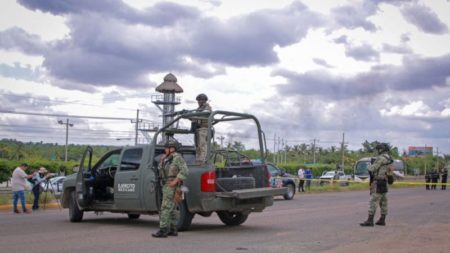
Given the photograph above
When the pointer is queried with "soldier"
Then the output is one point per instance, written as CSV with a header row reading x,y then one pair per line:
x,y
201,129
380,175
173,171
444,178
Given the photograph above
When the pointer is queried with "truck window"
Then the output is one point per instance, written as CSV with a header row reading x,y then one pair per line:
x,y
131,159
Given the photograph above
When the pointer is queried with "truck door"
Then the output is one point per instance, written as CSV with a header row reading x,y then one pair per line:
x,y
127,181
151,187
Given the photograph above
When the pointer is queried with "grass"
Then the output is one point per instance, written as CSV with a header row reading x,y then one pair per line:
x,y
45,197
353,186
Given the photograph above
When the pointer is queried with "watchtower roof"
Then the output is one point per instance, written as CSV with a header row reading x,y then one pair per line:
x,y
169,85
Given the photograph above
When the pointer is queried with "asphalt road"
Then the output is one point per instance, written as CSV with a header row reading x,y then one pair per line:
x,y
419,221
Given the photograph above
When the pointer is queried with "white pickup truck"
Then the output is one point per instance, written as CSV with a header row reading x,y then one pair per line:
x,y
334,175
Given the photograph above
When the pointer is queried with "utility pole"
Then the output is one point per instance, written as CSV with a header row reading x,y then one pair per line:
x,y
342,150
67,134
274,147
314,150
221,138
136,127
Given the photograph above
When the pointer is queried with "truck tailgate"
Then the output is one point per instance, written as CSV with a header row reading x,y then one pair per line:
x,y
252,193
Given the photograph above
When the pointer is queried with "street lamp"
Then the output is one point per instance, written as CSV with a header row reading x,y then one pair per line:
x,y
67,134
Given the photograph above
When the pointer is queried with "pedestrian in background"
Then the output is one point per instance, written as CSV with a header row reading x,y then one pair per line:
x,y
434,179
38,178
19,185
427,180
301,177
444,178
308,178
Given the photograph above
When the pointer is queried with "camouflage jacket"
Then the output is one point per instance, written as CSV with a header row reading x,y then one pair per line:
x,y
204,108
174,166
381,167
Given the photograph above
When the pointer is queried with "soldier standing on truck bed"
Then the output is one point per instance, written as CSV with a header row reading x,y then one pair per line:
x,y
200,126
173,171
380,176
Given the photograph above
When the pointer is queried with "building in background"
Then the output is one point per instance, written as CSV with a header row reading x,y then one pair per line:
x,y
419,151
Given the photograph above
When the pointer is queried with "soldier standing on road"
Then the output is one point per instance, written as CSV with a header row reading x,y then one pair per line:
x,y
380,175
427,180
201,129
444,178
434,179
173,171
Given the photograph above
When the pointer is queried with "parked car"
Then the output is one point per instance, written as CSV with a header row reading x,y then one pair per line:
x,y
280,178
333,175
54,185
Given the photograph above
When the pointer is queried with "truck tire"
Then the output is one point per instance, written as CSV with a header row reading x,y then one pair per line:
x,y
290,193
232,218
185,220
133,216
75,214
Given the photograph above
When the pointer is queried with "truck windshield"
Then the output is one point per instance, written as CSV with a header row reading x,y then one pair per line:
x,y
362,168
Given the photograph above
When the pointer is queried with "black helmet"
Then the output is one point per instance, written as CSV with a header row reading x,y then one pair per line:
x,y
202,97
172,143
382,147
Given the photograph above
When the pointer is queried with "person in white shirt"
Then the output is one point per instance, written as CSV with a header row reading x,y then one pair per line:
x,y
301,177
19,185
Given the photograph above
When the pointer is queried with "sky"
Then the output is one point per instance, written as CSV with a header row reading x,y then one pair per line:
x,y
309,70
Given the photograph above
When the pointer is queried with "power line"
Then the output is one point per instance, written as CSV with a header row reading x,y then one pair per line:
x,y
62,115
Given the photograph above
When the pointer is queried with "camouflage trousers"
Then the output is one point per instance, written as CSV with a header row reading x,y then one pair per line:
x,y
202,134
378,199
169,214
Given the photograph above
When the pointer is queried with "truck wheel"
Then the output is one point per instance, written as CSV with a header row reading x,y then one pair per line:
x,y
290,193
232,218
185,220
133,216
75,214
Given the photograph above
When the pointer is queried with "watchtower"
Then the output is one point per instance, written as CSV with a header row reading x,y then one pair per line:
x,y
167,101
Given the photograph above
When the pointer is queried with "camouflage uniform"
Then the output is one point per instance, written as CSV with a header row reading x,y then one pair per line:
x,y
381,173
378,188
172,167
201,134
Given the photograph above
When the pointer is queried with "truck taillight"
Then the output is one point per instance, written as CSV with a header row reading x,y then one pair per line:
x,y
208,181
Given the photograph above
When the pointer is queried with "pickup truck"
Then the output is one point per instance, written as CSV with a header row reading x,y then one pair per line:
x,y
333,175
126,180
280,178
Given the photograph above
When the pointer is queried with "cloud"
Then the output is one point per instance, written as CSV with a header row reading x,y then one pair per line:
x,y
103,49
322,63
401,49
16,38
161,14
415,74
363,52
250,39
424,19
20,72
355,15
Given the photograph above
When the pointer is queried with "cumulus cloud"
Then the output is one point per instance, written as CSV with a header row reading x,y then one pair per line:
x,y
355,15
363,52
415,74
161,14
424,19
16,38
398,49
322,63
103,49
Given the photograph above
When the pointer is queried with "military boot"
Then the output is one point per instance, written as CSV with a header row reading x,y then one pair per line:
x,y
173,232
382,220
368,222
162,233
